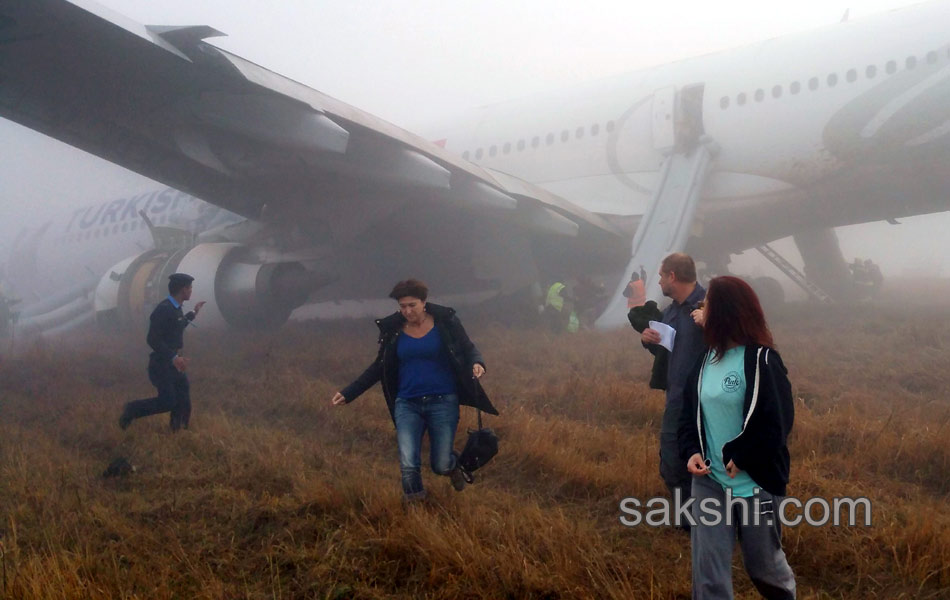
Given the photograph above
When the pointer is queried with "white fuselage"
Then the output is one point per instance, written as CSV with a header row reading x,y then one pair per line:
x,y
769,107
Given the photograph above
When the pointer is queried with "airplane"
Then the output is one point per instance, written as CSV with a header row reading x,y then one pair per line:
x,y
714,155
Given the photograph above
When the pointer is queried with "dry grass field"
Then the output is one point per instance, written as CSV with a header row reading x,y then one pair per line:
x,y
273,493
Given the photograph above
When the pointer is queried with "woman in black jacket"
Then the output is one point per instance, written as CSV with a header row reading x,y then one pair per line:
x,y
427,366
736,418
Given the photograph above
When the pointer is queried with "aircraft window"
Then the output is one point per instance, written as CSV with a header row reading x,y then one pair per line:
x,y
911,62
610,126
535,141
740,99
493,151
478,154
813,83
125,227
520,145
724,102
465,155
833,80
565,135
95,233
891,67
594,129
777,91
549,139
579,133
133,225
115,228
931,57
506,148
851,76
870,72
795,87
759,95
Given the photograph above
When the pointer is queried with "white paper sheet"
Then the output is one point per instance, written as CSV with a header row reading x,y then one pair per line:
x,y
667,334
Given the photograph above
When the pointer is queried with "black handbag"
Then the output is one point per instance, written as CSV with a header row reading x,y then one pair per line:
x,y
481,447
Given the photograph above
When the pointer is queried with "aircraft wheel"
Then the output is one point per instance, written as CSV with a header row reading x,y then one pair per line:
x,y
769,290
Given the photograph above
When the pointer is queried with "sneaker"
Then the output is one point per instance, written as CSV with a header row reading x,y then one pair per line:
x,y
458,479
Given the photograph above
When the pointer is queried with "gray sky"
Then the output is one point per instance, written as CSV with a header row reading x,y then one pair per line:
x,y
413,60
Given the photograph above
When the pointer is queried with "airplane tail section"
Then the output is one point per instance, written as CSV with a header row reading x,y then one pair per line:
x,y
666,225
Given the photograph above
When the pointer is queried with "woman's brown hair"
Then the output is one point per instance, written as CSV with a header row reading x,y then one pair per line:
x,y
733,316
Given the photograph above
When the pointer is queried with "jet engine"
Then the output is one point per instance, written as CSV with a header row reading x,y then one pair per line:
x,y
239,290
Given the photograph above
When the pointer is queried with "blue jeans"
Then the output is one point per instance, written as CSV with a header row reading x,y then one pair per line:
x,y
438,414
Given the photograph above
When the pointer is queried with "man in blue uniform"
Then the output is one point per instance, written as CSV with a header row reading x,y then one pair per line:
x,y
166,365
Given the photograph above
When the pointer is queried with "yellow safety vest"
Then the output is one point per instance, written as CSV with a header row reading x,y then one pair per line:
x,y
554,298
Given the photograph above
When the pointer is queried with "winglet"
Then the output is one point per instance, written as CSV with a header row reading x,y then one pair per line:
x,y
183,38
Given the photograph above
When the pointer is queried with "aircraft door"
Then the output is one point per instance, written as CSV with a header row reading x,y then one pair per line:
x,y
663,121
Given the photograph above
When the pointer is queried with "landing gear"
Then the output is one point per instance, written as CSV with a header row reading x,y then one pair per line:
x,y
769,290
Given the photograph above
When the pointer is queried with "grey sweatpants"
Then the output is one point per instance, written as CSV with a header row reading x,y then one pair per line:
x,y
761,545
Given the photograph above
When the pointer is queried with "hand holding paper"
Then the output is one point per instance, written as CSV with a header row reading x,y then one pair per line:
x,y
667,334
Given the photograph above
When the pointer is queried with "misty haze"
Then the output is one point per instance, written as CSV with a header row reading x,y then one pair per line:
x,y
233,212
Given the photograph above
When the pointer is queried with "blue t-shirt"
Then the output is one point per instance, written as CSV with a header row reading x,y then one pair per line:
x,y
722,395
424,366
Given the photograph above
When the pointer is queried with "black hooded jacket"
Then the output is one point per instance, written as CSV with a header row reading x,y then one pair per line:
x,y
462,353
768,412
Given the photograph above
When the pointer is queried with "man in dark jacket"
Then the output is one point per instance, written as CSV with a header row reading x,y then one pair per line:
x,y
677,281
166,365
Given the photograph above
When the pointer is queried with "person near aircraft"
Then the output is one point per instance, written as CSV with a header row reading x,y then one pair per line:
x,y
875,277
590,301
428,366
559,307
732,437
678,282
635,293
166,365
859,273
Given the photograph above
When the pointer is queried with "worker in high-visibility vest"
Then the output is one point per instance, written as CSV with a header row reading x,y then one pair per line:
x,y
635,293
555,311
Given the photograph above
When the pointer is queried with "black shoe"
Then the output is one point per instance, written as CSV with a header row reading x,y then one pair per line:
x,y
469,476
125,420
458,478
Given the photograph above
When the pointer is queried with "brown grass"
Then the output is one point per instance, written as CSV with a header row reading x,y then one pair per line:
x,y
274,494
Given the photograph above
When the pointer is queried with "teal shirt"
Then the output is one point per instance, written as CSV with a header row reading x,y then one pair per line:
x,y
722,395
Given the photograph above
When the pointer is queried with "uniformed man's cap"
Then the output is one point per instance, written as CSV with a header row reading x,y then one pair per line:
x,y
180,279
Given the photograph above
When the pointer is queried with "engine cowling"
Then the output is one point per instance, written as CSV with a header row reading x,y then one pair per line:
x,y
238,290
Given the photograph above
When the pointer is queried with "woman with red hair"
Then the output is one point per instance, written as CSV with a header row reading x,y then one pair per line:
x,y
736,417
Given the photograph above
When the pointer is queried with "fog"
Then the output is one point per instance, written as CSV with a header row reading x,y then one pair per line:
x,y
415,61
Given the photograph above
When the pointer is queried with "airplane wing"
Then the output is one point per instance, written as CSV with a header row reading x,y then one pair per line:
x,y
164,103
